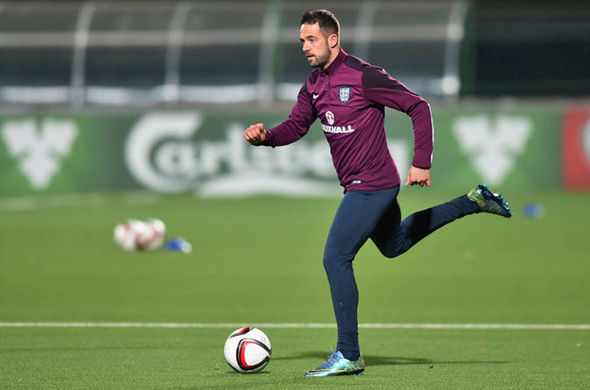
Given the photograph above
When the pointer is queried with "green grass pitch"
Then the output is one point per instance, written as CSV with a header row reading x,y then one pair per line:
x,y
258,260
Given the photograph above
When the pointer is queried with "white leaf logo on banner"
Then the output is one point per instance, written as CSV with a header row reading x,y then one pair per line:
x,y
493,144
39,150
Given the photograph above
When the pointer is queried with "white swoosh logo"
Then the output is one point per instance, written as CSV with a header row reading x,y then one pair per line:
x,y
314,96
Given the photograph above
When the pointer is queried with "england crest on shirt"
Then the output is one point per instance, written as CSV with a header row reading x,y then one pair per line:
x,y
344,94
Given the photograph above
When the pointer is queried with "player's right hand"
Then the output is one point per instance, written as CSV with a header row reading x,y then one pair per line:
x,y
255,134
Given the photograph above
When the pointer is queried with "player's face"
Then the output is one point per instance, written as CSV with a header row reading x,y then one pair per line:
x,y
315,45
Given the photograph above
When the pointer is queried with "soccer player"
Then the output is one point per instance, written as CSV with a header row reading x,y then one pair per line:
x,y
349,96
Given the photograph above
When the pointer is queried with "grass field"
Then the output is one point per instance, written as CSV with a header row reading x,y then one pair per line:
x,y
258,261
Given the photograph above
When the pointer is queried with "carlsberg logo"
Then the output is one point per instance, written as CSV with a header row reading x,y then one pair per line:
x,y
162,154
39,148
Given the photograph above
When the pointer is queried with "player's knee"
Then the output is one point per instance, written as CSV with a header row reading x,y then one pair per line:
x,y
390,254
391,251
334,262
393,247
330,263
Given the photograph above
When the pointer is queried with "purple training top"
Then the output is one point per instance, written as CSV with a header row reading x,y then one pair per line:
x,y
349,98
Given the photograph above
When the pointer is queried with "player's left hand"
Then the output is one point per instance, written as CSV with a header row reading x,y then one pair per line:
x,y
418,176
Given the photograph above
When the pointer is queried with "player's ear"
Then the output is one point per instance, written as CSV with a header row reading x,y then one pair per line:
x,y
333,40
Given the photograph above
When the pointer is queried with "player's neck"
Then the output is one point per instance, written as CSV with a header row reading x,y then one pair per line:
x,y
334,54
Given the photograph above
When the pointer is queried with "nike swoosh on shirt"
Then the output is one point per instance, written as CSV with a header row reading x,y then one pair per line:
x,y
314,96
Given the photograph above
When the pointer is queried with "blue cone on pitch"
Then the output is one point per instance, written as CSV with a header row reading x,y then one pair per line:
x,y
178,244
533,210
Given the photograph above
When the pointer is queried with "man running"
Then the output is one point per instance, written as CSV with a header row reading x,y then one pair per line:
x,y
349,97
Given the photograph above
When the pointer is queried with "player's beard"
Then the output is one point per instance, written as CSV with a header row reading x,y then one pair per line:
x,y
321,59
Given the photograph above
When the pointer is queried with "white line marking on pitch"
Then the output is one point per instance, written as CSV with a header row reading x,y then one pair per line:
x,y
288,325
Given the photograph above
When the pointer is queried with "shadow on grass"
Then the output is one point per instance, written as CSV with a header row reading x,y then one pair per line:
x,y
251,374
373,360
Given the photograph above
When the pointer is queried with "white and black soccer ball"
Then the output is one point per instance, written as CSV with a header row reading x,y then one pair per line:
x,y
133,234
247,350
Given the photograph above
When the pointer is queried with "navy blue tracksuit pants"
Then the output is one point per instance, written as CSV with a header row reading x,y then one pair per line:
x,y
376,215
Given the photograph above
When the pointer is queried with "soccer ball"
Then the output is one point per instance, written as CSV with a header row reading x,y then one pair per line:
x,y
247,350
131,234
156,234
134,234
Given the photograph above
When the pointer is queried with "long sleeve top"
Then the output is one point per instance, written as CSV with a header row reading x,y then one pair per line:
x,y
349,98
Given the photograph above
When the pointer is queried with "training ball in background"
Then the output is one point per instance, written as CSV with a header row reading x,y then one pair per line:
x,y
156,234
133,234
247,350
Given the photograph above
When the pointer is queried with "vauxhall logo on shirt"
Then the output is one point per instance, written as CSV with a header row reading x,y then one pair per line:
x,y
330,118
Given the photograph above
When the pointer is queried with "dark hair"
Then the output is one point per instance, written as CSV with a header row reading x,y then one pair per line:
x,y
326,20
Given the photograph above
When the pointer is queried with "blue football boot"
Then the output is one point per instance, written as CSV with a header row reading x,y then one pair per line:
x,y
338,365
489,202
